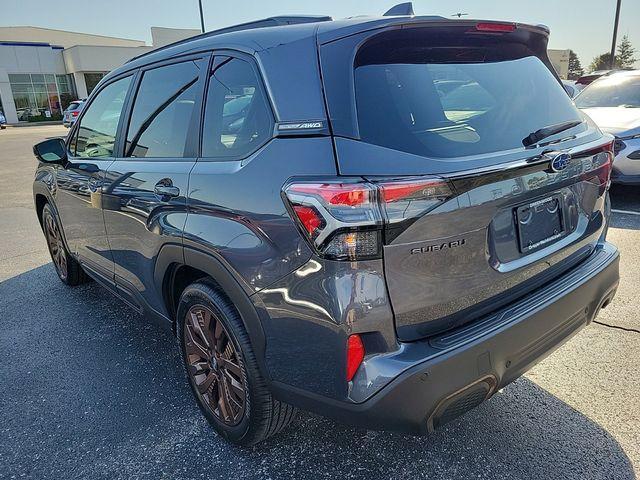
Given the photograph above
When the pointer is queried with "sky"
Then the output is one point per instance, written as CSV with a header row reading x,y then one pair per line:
x,y
585,26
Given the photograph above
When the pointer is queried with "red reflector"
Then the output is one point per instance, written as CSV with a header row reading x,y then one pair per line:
x,y
309,218
355,355
495,27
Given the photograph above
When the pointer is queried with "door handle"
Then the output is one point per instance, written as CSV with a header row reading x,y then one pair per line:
x,y
165,188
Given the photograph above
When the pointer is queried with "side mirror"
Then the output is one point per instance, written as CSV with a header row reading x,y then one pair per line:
x,y
51,151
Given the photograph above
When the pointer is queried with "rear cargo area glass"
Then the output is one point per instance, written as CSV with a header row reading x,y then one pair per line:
x,y
469,96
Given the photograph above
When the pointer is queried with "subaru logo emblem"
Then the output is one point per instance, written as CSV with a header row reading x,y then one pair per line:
x,y
560,162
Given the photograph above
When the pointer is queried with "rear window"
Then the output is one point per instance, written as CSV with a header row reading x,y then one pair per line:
x,y
448,100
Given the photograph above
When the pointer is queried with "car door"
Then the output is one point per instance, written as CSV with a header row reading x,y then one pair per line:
x,y
79,184
146,187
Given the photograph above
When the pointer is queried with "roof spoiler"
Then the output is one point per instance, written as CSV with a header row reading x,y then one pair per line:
x,y
265,22
401,9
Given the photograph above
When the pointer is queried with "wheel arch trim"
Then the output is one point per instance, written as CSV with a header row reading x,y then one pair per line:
x,y
173,257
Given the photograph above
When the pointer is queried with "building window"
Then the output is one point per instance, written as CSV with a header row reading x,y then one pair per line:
x,y
66,89
40,97
92,79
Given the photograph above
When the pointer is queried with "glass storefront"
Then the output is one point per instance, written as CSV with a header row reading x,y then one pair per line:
x,y
41,97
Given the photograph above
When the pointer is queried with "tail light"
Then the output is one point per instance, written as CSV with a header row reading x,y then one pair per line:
x,y
597,163
350,220
355,355
603,163
75,113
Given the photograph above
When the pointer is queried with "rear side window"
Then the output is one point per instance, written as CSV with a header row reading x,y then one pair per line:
x,y
96,135
237,118
162,111
448,101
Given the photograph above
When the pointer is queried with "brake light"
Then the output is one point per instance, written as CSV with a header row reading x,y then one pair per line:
x,y
495,27
75,113
355,355
348,220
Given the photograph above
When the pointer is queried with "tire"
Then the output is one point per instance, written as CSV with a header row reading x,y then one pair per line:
x,y
67,268
205,317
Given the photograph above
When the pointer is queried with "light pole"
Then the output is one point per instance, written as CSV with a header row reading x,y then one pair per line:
x,y
202,16
615,35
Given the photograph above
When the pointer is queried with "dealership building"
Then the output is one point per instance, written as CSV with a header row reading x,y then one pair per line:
x,y
42,70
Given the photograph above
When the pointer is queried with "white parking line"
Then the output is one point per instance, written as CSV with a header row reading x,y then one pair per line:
x,y
626,212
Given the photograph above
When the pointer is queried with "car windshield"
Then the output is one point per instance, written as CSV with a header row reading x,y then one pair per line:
x,y
614,91
450,102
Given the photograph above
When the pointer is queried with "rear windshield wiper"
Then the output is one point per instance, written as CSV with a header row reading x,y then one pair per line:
x,y
542,133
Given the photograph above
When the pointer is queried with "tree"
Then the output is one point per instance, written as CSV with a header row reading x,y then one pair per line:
x,y
575,68
625,55
602,62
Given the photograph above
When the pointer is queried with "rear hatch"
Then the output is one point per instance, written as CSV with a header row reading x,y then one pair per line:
x,y
518,175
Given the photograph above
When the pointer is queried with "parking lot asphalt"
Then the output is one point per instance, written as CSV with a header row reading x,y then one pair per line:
x,y
89,389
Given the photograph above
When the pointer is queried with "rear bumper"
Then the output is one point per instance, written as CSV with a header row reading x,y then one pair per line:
x,y
460,369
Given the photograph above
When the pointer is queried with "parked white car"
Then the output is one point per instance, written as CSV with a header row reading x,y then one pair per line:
x,y
613,102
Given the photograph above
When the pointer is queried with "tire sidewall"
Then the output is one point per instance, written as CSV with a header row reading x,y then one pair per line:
x,y
47,211
199,294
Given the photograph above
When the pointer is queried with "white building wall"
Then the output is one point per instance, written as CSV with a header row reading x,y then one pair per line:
x,y
85,58
161,36
25,59
62,38
560,61
69,53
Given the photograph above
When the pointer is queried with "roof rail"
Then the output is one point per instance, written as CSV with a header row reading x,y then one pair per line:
x,y
265,22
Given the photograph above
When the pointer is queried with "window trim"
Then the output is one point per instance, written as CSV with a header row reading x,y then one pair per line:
x,y
96,91
191,146
251,60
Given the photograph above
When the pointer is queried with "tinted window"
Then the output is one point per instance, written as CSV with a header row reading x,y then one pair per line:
x,y
162,111
237,117
614,91
448,101
97,131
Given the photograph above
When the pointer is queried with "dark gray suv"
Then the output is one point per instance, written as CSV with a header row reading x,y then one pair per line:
x,y
381,219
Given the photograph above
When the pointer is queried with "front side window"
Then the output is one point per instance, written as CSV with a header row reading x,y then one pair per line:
x,y
237,119
96,135
162,111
